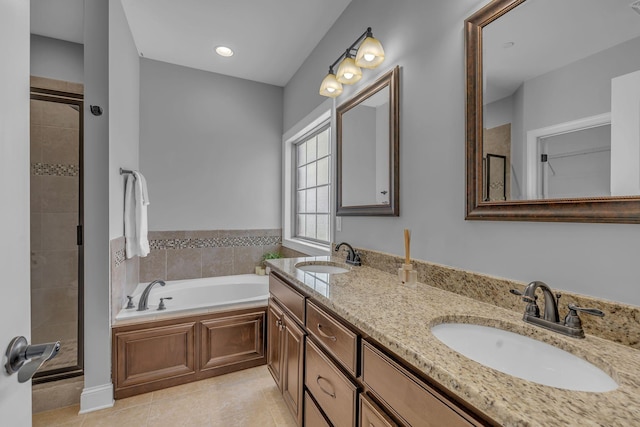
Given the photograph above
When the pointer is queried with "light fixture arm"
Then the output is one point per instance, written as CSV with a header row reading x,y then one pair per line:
x,y
367,33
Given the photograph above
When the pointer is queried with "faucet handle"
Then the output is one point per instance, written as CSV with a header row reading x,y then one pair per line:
x,y
161,306
573,320
524,297
130,302
592,311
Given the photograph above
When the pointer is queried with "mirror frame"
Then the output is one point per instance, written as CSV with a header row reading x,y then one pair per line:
x,y
392,80
597,209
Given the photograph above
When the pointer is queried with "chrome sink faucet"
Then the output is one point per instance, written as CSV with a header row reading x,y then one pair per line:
x,y
572,325
144,298
353,257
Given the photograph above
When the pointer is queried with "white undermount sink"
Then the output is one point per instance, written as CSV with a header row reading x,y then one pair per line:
x,y
321,267
523,357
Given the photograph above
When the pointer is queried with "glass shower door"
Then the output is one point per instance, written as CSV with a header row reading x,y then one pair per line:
x,y
56,233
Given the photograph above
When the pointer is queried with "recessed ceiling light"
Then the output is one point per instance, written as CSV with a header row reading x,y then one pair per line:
x,y
224,51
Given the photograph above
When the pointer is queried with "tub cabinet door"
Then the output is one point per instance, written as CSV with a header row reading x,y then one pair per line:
x,y
231,343
275,333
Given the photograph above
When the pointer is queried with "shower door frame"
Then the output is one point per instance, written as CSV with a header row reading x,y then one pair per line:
x,y
76,99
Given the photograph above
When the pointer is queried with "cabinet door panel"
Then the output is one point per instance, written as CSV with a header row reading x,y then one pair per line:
x,y
232,340
293,368
275,332
156,353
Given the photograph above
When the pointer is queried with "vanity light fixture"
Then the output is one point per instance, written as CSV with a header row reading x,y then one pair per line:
x,y
330,86
224,51
348,72
368,54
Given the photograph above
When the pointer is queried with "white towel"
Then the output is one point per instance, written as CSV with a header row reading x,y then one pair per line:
x,y
136,199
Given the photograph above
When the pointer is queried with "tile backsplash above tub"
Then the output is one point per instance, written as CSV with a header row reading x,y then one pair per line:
x,y
179,255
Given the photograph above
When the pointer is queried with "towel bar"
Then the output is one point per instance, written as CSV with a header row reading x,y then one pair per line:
x,y
123,171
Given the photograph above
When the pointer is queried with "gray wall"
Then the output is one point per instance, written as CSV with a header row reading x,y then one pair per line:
x,y
210,149
98,390
57,59
124,102
426,39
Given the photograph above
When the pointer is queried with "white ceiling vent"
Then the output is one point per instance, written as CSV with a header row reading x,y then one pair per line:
x,y
636,6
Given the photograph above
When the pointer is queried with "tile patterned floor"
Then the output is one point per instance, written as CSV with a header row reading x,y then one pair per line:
x,y
241,399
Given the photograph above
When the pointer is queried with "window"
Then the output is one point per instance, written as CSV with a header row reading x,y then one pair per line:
x,y
313,186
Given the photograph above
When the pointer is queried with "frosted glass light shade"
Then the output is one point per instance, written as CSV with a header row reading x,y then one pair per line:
x,y
330,86
348,72
370,53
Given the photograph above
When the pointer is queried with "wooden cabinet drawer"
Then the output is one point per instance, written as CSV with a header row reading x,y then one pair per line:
x,y
412,400
288,297
339,341
312,415
333,391
372,416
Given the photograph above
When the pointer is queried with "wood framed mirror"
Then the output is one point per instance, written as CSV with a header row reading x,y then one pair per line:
x,y
368,142
559,97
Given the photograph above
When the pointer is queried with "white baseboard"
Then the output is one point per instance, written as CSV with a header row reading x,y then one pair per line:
x,y
95,398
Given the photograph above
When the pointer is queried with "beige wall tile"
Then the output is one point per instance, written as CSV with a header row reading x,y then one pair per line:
x,y
59,194
54,395
53,306
35,110
36,141
153,266
217,262
35,193
184,264
60,115
61,145
59,231
54,269
246,258
36,226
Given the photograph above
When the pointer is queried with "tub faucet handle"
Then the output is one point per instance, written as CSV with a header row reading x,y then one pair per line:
x,y
161,306
130,302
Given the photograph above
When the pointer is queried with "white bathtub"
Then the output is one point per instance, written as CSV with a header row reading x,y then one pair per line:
x,y
209,292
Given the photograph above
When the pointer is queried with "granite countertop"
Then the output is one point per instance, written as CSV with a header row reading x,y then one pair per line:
x,y
400,316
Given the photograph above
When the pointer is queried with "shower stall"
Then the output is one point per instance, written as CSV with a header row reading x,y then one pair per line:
x,y
56,228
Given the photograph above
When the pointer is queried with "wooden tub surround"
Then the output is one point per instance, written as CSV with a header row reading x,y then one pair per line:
x,y
152,355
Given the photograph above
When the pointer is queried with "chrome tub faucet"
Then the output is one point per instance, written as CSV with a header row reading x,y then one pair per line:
x,y
571,326
144,298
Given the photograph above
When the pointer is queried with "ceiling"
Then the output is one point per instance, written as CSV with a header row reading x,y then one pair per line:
x,y
548,35
271,39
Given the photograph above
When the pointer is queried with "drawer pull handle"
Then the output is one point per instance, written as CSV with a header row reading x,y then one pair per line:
x,y
330,337
322,388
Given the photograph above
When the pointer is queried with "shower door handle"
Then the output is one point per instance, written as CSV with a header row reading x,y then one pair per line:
x,y
19,352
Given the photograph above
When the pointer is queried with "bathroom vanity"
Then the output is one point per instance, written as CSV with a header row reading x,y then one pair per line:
x,y
355,349
332,374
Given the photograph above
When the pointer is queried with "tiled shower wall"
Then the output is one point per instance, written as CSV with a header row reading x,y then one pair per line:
x,y
55,193
179,255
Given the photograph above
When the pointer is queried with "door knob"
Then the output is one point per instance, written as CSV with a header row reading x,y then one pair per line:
x,y
19,352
